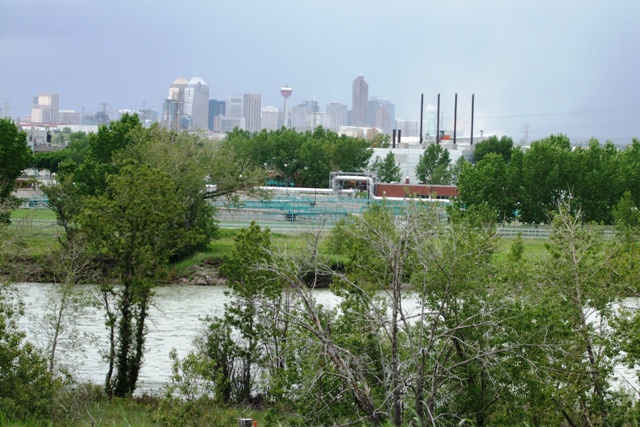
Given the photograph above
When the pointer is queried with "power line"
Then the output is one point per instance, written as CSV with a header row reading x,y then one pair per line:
x,y
561,113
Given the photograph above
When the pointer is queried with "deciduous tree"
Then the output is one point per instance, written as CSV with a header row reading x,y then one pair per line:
x,y
137,227
433,165
502,146
15,156
386,169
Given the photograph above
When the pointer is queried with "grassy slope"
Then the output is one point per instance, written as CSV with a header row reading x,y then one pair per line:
x,y
41,234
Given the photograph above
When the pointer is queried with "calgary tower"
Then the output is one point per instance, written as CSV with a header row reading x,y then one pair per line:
x,y
285,91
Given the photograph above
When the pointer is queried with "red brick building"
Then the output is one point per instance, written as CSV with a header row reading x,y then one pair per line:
x,y
416,190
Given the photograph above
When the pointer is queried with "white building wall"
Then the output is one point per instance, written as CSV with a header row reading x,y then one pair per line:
x,y
409,155
338,115
251,109
270,116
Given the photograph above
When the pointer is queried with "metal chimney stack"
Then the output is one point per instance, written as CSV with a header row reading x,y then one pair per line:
x,y
438,122
472,104
421,114
455,119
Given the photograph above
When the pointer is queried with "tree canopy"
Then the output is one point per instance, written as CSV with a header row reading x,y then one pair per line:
x,y
15,156
387,170
141,197
434,165
528,185
502,146
302,159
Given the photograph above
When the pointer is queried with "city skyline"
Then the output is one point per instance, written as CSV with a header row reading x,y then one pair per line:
x,y
540,66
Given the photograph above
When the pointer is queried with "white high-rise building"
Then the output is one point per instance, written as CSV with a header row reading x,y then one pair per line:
x,y
298,117
233,115
270,117
233,107
251,110
338,115
173,106
196,104
317,119
47,108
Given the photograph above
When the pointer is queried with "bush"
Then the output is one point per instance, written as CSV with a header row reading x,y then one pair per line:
x,y
27,388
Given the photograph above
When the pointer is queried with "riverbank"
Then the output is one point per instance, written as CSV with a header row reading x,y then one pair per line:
x,y
41,235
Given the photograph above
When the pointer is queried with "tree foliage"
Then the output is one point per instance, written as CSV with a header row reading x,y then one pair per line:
x,y
27,388
15,156
490,181
533,182
74,153
434,165
502,146
137,227
304,159
386,169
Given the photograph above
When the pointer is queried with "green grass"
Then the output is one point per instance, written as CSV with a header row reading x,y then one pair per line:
x,y
39,214
222,247
534,249
136,412
40,233
38,227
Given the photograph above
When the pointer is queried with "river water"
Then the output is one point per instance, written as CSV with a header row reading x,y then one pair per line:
x,y
174,321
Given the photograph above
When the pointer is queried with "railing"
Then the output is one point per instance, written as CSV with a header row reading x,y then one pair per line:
x,y
536,231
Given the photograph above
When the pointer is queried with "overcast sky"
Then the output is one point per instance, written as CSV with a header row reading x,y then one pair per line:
x,y
559,66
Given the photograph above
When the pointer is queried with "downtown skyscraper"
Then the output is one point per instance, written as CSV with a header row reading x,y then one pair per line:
x,y
196,104
46,108
251,109
187,107
359,105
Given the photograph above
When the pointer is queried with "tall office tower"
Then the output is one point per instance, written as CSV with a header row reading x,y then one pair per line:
x,y
315,119
270,118
46,109
232,115
227,124
196,104
251,110
216,108
337,115
360,96
298,117
381,114
233,107
312,104
173,106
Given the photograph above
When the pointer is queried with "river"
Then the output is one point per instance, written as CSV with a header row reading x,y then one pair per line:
x,y
174,321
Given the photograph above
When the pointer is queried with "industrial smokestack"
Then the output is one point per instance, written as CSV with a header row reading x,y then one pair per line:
x,y
455,119
421,114
438,122
472,104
